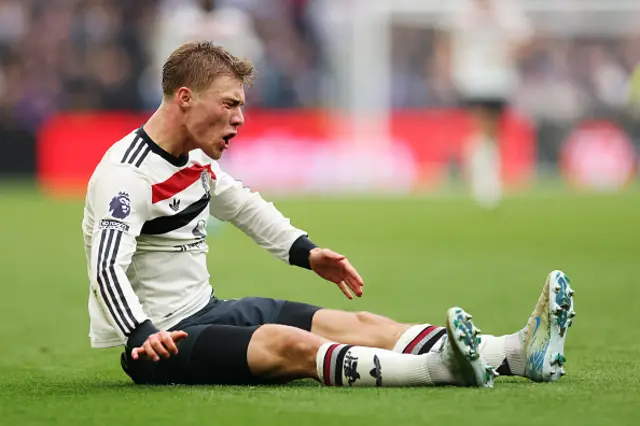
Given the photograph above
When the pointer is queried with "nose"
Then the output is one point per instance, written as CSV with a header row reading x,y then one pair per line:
x,y
237,119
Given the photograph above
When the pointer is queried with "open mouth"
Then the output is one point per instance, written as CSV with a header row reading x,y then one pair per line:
x,y
227,138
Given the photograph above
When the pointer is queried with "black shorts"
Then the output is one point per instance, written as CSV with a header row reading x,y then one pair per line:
x,y
496,105
215,352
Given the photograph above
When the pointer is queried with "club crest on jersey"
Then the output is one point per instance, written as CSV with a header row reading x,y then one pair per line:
x,y
200,231
120,205
204,178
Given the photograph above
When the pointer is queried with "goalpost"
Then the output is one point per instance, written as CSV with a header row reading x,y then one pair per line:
x,y
357,36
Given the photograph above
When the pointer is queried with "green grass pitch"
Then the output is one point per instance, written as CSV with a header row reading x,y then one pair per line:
x,y
418,256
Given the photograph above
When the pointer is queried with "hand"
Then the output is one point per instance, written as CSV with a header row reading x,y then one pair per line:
x,y
336,268
160,344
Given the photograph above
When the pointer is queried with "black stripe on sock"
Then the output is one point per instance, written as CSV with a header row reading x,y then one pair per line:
x,y
340,364
432,341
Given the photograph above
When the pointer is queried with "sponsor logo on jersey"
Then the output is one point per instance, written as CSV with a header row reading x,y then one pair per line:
x,y
120,205
113,224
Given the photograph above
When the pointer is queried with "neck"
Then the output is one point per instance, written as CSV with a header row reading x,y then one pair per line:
x,y
165,129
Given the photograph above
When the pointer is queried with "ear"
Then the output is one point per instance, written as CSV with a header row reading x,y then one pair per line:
x,y
184,96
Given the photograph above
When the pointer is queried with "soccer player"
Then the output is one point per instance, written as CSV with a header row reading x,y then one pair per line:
x,y
145,239
485,38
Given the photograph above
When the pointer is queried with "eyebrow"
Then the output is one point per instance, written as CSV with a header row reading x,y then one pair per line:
x,y
234,101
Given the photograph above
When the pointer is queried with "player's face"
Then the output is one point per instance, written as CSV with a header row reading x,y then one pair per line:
x,y
215,115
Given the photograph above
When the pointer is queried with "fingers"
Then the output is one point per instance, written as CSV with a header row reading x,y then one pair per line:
x,y
354,286
343,286
134,353
336,268
347,279
178,335
353,274
144,352
158,349
352,278
169,344
161,344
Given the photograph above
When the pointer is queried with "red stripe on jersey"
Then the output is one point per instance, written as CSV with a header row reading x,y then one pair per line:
x,y
326,372
418,339
178,182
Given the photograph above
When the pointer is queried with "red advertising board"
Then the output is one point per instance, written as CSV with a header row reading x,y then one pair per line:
x,y
299,151
599,155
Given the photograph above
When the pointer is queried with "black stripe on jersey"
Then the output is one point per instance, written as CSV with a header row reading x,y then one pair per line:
x,y
144,155
108,279
164,224
114,277
135,154
102,267
137,140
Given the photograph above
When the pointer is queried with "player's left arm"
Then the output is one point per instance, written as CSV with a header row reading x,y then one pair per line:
x,y
232,202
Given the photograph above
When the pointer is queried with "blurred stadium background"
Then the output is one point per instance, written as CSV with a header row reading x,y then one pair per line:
x,y
340,82
356,98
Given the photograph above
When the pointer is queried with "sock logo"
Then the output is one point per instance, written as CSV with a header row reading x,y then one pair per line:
x,y
351,368
376,372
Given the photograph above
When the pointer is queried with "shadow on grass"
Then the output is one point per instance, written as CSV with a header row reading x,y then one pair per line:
x,y
85,383
87,386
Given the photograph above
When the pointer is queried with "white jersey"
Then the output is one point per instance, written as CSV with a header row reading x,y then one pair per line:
x,y
482,47
145,228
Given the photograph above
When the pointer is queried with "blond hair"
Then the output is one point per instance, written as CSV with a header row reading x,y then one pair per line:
x,y
195,65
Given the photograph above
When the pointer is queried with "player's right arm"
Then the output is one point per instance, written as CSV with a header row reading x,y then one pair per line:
x,y
119,199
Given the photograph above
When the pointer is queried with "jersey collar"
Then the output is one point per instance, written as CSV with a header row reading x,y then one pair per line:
x,y
176,161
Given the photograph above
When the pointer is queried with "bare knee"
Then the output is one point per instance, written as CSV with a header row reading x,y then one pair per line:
x,y
282,352
357,328
369,318
290,342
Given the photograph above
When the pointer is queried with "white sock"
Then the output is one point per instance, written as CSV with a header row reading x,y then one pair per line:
x,y
484,173
505,353
346,365
420,339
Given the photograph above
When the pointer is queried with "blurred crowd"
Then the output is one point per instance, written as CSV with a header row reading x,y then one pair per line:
x,y
571,78
106,54
561,78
